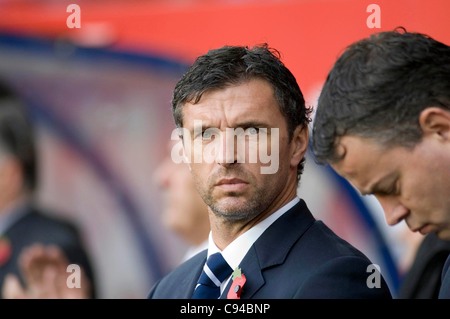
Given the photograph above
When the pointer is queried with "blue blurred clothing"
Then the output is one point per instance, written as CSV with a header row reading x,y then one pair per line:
x,y
444,293
34,226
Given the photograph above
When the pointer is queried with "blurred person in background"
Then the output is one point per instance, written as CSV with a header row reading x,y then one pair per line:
x,y
35,246
184,211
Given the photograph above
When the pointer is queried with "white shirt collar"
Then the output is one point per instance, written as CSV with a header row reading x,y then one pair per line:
x,y
238,248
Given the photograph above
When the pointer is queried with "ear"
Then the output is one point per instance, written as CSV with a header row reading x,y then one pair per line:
x,y
435,120
299,144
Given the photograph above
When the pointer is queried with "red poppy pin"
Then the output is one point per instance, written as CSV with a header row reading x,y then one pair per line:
x,y
238,284
5,250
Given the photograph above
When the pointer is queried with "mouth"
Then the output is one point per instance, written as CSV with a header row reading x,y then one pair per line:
x,y
231,184
425,229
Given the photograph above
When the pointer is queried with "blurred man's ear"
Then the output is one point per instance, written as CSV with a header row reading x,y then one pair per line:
x,y
435,120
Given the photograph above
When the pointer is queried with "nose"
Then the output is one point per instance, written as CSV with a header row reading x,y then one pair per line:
x,y
163,172
226,149
394,211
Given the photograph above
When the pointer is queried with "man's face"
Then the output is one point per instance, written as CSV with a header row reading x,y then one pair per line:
x,y
410,184
184,211
232,185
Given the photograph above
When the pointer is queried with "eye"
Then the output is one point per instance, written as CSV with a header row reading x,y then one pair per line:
x,y
252,130
395,189
207,134
388,191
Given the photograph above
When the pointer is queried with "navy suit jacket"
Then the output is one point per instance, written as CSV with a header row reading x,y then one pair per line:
x,y
37,227
296,257
424,277
444,292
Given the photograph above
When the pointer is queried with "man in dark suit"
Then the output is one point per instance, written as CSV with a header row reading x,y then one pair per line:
x,y
244,127
383,123
22,224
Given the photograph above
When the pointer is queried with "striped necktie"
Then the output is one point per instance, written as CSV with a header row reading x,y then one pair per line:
x,y
215,271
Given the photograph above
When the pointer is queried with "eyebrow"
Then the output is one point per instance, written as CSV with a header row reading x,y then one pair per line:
x,y
253,124
242,125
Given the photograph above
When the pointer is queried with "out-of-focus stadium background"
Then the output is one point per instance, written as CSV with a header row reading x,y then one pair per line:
x,y
100,95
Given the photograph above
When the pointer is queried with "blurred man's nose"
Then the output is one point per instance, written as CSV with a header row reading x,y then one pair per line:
x,y
163,172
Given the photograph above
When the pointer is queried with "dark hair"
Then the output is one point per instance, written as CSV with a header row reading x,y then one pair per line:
x,y
16,133
378,88
232,65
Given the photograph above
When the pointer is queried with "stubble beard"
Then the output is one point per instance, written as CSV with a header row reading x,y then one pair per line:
x,y
236,206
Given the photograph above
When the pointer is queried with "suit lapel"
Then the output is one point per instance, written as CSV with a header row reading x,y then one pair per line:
x,y
272,247
190,278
